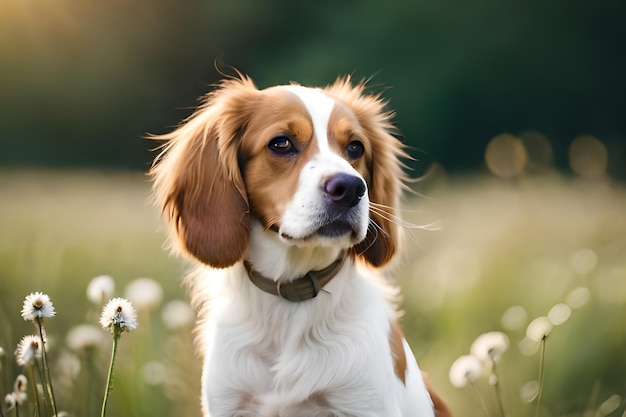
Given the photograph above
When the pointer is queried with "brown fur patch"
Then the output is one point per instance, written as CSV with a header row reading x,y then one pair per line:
x,y
385,170
398,354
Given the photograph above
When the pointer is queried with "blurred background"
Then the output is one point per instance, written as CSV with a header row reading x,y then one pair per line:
x,y
515,113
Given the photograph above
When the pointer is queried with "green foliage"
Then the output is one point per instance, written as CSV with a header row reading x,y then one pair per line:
x,y
81,82
497,244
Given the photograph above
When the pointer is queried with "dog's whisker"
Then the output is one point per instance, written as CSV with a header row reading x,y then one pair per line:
x,y
380,211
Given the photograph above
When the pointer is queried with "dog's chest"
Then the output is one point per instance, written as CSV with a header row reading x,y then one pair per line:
x,y
319,358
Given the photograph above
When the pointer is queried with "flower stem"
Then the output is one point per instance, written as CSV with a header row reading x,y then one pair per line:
x,y
496,386
44,357
109,386
480,398
35,393
542,370
46,394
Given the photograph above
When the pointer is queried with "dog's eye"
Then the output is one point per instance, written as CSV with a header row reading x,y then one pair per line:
x,y
281,145
355,149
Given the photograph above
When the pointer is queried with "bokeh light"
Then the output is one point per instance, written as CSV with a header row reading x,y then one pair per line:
x,y
539,151
588,157
506,156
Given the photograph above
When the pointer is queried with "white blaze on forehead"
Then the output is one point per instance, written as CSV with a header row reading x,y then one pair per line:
x,y
319,106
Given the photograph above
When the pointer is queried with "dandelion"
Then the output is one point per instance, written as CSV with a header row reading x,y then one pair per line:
x,y
10,401
18,396
100,288
27,350
117,316
539,329
466,370
145,293
20,384
490,346
37,305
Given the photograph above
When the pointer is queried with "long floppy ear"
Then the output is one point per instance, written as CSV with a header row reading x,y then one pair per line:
x,y
197,180
386,174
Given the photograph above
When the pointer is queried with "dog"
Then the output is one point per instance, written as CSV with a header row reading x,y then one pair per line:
x,y
287,197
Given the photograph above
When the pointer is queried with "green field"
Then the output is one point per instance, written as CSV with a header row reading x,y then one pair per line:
x,y
491,245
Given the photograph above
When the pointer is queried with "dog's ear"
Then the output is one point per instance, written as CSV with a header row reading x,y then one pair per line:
x,y
385,175
197,179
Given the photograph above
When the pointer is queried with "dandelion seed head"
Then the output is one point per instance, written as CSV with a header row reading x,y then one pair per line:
x,y
490,346
10,400
466,369
177,314
118,314
27,350
100,288
539,328
83,337
20,397
559,314
144,293
37,305
20,383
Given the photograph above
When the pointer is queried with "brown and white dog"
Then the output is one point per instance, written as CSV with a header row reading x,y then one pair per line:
x,y
288,198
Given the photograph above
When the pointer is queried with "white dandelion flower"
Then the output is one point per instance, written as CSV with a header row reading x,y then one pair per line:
x,y
119,315
144,293
20,384
100,288
10,400
466,369
539,328
27,350
490,346
177,314
37,305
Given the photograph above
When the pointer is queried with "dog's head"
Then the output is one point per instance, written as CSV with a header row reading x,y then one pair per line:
x,y
316,166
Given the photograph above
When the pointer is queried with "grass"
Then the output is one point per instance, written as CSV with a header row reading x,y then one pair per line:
x,y
527,243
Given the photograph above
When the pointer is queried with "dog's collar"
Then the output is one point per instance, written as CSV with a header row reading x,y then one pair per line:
x,y
300,289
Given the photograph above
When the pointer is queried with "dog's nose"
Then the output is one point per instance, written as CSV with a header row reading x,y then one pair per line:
x,y
345,189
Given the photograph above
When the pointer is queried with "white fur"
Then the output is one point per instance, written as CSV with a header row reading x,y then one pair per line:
x,y
280,352
266,357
